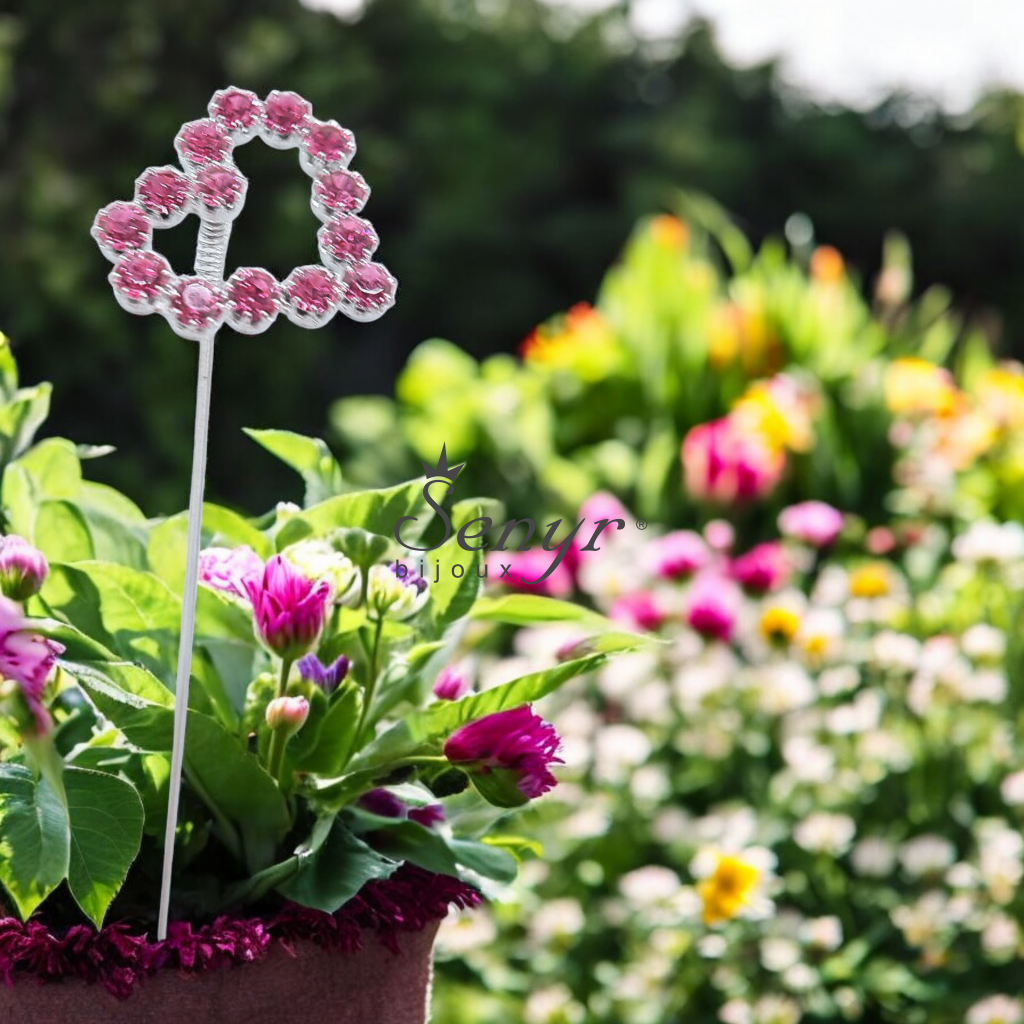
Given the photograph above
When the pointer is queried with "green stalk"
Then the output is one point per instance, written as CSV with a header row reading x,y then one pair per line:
x,y
278,739
371,682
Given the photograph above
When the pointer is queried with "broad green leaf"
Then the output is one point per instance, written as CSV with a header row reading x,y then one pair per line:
x,y
530,609
61,532
77,645
375,511
402,839
106,816
484,859
308,456
451,597
149,773
49,470
131,698
35,839
134,613
331,734
336,872
233,782
224,528
95,497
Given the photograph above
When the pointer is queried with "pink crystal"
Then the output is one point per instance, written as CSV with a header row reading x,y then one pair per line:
x,y
313,290
369,286
219,187
196,303
141,275
341,190
123,226
285,112
349,238
235,108
252,293
203,142
163,191
329,142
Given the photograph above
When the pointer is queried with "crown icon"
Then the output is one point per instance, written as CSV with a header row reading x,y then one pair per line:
x,y
441,469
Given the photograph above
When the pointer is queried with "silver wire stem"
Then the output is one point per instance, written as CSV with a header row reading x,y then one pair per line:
x,y
211,253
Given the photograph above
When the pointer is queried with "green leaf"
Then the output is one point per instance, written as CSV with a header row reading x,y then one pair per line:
x,y
308,456
148,773
49,470
336,871
20,417
106,818
224,528
232,781
134,613
35,839
489,861
452,597
331,734
402,839
131,698
529,609
62,533
375,511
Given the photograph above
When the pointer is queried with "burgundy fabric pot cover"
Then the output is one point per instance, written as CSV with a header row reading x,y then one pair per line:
x,y
373,986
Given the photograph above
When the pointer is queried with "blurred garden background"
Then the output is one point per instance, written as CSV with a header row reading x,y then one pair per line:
x,y
774,319
510,147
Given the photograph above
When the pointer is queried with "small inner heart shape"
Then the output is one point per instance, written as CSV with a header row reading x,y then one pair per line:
x,y
209,184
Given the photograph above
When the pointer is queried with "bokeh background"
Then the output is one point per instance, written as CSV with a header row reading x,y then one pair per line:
x,y
510,146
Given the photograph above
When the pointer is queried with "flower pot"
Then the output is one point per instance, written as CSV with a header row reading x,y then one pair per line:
x,y
297,982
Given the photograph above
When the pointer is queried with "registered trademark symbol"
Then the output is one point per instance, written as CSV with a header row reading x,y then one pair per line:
x,y
641,524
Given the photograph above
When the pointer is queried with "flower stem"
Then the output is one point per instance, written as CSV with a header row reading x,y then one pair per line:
x,y
275,753
371,682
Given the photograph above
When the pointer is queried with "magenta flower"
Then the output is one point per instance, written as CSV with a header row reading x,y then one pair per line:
x,y
327,677
637,611
813,522
289,610
507,754
27,659
383,803
763,568
679,554
712,606
428,815
226,569
451,684
23,568
724,462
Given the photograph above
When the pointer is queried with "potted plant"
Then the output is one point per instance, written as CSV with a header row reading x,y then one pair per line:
x,y
338,785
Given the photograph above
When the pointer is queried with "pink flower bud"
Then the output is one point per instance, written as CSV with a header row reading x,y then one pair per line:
x,y
712,606
23,568
28,660
763,568
451,684
287,714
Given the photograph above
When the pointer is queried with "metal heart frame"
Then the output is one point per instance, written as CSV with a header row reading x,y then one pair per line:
x,y
210,185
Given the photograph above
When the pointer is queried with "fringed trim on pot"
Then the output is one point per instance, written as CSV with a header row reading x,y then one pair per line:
x,y
118,957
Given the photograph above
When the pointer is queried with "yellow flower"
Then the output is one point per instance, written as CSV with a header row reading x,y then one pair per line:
x,y
779,625
728,889
870,581
916,387
743,333
779,410
1000,393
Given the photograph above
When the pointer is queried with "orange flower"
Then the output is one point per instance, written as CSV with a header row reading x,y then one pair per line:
x,y
743,332
580,341
669,232
827,266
